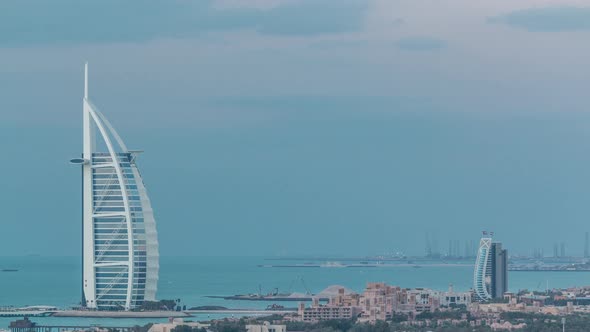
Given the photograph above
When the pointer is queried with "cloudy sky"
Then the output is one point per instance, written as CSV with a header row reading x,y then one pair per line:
x,y
288,127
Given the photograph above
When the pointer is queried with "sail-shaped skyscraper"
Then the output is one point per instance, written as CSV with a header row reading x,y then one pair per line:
x,y
119,240
483,269
490,275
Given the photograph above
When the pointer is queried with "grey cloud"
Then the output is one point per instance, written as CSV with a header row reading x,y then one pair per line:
x,y
547,19
314,17
340,44
34,22
420,43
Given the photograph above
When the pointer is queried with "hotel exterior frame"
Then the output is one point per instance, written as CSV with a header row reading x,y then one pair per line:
x,y
490,276
482,270
119,240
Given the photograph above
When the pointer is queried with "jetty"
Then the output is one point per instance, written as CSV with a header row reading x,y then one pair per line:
x,y
120,314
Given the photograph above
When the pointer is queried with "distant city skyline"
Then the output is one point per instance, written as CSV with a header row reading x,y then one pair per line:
x,y
274,127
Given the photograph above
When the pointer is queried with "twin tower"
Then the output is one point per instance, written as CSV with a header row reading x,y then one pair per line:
x,y
490,275
119,239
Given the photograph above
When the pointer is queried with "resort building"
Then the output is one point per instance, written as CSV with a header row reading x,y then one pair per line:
x,y
453,299
266,327
416,300
320,312
380,301
490,275
175,322
119,239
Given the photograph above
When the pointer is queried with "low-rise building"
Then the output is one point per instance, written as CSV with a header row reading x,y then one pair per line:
x,y
506,326
417,300
174,322
380,301
318,312
453,299
266,327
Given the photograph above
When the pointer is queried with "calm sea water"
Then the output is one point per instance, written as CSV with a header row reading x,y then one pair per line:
x,y
56,281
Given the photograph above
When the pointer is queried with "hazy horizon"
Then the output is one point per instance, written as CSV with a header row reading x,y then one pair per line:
x,y
284,127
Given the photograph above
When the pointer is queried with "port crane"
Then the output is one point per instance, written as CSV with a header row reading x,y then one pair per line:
x,y
300,278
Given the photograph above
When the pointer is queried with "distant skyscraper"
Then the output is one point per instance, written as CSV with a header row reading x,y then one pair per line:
x,y
450,251
119,239
490,276
586,245
467,253
428,246
499,280
562,249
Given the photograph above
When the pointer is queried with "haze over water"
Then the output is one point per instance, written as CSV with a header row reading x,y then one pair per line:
x,y
56,280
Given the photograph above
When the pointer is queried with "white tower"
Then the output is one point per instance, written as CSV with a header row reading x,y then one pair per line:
x,y
119,241
483,268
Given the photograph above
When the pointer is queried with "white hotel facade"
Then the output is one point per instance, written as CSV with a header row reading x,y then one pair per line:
x,y
120,244
483,269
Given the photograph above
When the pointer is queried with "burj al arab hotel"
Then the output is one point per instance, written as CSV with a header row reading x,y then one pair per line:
x,y
120,259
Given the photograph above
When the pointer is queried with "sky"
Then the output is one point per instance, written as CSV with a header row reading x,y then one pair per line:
x,y
304,127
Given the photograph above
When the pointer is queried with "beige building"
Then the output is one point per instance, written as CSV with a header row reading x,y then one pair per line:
x,y
337,308
174,322
416,300
379,301
266,327
452,298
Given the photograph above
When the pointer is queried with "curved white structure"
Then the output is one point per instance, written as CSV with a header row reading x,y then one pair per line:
x,y
120,245
483,269
490,276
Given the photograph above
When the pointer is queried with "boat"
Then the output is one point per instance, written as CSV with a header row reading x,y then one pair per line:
x,y
9,270
332,264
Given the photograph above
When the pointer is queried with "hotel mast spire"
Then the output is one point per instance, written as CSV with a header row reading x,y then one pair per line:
x,y
86,80
120,259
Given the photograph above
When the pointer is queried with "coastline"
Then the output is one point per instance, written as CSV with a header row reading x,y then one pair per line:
x,y
121,314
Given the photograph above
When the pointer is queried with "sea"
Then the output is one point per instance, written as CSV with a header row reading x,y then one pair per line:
x,y
56,281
